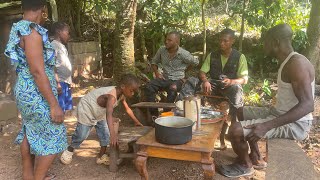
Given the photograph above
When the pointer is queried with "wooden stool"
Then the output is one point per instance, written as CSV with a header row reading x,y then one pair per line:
x,y
148,105
127,137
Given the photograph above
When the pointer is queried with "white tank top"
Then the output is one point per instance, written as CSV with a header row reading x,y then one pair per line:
x,y
286,98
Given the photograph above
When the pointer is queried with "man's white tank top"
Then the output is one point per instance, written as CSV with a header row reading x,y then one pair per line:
x,y
286,98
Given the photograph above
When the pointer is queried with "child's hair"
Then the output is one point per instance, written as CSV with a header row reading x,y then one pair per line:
x,y
58,26
129,79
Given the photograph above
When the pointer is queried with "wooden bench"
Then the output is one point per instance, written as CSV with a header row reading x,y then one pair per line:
x,y
127,137
286,160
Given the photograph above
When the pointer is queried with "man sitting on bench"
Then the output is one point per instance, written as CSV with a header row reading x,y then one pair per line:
x,y
174,61
228,70
291,117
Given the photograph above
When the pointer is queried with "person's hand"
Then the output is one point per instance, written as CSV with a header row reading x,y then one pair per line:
x,y
57,114
159,75
113,140
206,87
59,88
174,87
138,124
227,82
73,85
257,132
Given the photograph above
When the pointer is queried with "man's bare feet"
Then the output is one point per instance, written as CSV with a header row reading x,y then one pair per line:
x,y
222,147
258,162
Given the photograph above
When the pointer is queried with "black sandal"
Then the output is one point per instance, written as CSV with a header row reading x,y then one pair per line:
x,y
235,170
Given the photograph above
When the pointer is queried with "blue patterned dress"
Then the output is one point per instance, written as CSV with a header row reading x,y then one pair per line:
x,y
44,137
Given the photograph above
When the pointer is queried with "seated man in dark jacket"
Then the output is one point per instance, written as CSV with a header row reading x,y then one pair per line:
x,y
228,71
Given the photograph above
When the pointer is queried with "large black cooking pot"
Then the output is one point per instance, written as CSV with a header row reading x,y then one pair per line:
x,y
173,130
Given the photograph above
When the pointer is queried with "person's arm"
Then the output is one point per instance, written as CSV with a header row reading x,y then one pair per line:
x,y
59,88
130,113
301,85
205,68
109,112
154,64
189,59
242,73
58,64
34,53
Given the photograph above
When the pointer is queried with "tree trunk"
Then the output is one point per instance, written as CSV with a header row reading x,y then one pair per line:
x,y
144,53
313,50
124,33
242,25
64,13
54,10
204,30
141,17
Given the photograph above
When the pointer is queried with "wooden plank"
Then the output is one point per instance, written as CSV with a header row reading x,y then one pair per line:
x,y
286,160
131,134
199,143
173,154
154,105
212,96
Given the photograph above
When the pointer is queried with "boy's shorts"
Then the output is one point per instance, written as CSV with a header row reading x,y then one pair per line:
x,y
298,130
82,132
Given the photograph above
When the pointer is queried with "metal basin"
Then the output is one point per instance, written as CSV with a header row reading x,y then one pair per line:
x,y
173,130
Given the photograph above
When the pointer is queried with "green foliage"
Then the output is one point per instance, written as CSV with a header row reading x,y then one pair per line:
x,y
300,40
167,15
266,87
157,17
258,92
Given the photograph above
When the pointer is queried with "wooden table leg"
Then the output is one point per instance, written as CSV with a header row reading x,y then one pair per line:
x,y
141,166
209,171
114,156
208,166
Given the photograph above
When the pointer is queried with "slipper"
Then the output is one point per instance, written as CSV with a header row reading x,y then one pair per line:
x,y
104,159
66,157
50,176
235,170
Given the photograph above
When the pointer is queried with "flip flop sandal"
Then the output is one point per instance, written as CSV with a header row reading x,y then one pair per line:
x,y
236,170
50,176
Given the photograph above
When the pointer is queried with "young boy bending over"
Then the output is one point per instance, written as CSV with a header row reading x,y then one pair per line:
x,y
95,109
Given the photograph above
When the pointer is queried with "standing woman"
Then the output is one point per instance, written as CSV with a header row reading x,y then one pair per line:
x,y
43,134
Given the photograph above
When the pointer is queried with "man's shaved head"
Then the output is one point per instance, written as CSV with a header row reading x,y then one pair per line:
x,y
277,39
280,32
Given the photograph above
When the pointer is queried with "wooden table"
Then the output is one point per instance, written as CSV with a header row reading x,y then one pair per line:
x,y
199,149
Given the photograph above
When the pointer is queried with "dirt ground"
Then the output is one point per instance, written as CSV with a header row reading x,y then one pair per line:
x,y
84,167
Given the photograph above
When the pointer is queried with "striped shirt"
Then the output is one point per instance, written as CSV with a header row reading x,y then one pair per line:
x,y
174,68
